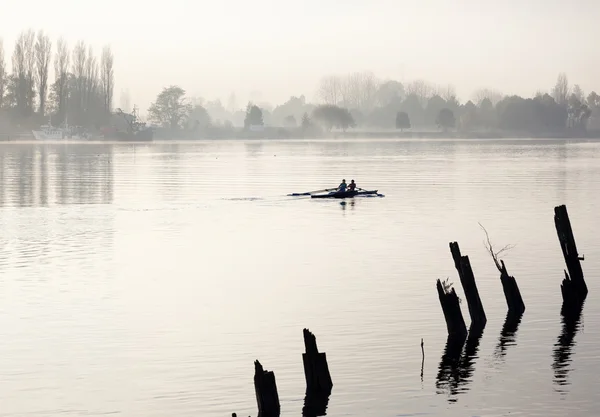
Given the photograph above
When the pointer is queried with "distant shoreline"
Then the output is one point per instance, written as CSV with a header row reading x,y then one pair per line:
x,y
296,134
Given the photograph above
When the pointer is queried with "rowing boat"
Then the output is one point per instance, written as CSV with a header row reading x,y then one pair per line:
x,y
343,194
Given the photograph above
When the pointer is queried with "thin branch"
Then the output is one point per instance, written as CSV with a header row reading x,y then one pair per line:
x,y
488,246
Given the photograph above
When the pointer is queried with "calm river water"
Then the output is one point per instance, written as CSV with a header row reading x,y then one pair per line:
x,y
144,280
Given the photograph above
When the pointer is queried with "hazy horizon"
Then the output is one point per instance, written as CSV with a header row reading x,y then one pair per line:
x,y
268,52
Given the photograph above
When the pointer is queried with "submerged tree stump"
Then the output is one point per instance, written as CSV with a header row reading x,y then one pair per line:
x,y
467,279
455,322
574,289
515,303
316,370
267,397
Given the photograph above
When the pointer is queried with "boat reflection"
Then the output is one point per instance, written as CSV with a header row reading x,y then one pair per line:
x,y
563,348
344,204
457,366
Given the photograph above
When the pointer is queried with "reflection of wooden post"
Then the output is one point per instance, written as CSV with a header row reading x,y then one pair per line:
x,y
451,308
515,303
467,279
266,392
316,369
574,288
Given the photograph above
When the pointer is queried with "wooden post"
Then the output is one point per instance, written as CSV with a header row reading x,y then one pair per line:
x,y
515,303
316,370
267,398
451,308
574,289
467,279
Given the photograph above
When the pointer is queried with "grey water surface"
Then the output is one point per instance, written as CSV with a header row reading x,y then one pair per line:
x,y
144,280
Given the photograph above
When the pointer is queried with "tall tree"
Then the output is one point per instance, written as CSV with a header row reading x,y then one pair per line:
x,y
330,90
446,119
492,96
19,76
23,66
560,92
61,78
254,116
93,100
170,108
77,103
30,69
43,53
3,74
107,78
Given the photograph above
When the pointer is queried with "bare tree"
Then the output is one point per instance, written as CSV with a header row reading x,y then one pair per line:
x,y
578,93
78,70
61,76
421,89
330,90
43,53
107,78
493,96
495,254
20,75
29,53
447,92
3,74
560,92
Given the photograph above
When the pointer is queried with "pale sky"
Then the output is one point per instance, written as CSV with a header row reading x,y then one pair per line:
x,y
282,48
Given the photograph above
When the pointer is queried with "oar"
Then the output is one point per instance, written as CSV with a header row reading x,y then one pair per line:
x,y
311,192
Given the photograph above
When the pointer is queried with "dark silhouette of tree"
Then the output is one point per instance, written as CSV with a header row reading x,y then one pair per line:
x,y
487,114
306,124
446,120
295,106
578,113
402,121
593,99
331,116
290,121
469,118
254,116
412,106
388,92
435,104
198,118
170,108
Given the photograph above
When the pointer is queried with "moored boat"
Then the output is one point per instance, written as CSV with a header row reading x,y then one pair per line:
x,y
344,194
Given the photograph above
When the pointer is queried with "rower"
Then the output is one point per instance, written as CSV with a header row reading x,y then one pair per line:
x,y
352,185
342,186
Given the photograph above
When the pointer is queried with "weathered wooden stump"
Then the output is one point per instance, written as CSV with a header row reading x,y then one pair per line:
x,y
267,397
574,289
515,303
316,370
467,279
455,322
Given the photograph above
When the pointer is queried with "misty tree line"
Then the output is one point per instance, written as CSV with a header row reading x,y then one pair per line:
x,y
362,100
81,92
392,104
